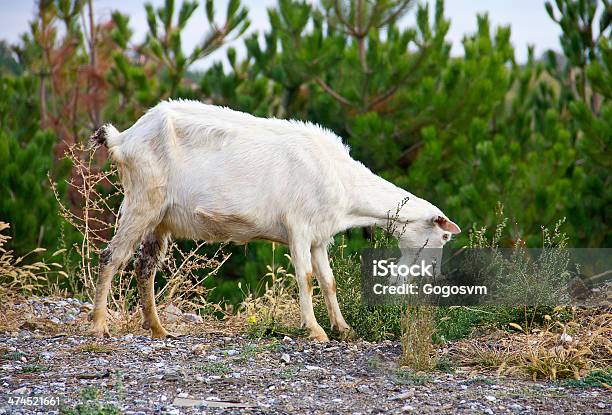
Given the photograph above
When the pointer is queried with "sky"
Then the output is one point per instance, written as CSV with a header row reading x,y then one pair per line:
x,y
528,19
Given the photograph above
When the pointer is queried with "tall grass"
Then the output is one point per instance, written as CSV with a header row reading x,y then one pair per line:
x,y
19,276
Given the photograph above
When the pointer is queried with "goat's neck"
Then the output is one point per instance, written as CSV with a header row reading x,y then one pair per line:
x,y
372,199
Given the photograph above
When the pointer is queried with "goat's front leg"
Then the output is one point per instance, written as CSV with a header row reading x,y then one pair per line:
x,y
300,256
150,253
327,282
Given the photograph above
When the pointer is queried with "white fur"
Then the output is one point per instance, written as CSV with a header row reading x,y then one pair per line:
x,y
204,172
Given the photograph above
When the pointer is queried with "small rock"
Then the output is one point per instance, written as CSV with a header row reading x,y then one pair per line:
x,y
199,349
490,398
402,396
285,358
192,318
565,338
363,388
172,376
69,319
183,402
172,313
94,375
21,391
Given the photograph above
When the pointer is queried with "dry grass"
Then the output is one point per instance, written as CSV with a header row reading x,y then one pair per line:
x,y
418,327
556,351
277,309
11,318
95,348
17,276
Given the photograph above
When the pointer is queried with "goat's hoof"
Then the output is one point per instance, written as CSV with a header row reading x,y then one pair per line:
x,y
163,334
318,335
98,331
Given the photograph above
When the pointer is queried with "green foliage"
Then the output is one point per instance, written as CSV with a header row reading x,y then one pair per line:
x,y
8,63
454,323
164,43
594,379
26,157
90,404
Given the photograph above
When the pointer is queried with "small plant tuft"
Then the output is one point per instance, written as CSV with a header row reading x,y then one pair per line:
x,y
418,328
90,403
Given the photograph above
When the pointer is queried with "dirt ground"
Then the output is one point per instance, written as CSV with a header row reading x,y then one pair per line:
x,y
221,373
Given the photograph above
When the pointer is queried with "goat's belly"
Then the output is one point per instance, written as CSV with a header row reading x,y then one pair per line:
x,y
210,226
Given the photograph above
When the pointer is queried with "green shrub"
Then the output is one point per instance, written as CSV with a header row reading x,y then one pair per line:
x,y
595,379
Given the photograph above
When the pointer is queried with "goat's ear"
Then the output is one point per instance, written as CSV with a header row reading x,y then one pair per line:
x,y
446,225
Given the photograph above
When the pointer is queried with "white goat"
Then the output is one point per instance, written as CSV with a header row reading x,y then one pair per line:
x,y
199,171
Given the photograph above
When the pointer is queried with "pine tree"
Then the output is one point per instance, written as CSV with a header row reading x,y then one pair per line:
x,y
26,157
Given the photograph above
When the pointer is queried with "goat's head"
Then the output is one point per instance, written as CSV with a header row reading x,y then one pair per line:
x,y
431,231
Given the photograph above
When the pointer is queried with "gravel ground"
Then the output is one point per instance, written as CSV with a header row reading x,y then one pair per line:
x,y
216,373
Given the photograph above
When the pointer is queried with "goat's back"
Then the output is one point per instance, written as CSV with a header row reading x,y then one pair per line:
x,y
258,172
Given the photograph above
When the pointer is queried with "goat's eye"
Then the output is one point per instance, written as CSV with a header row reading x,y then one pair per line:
x,y
445,237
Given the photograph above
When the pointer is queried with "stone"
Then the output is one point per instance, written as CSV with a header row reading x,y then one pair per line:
x,y
171,313
192,318
21,391
184,402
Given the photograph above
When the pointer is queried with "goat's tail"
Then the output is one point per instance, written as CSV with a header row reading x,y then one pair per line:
x,y
107,135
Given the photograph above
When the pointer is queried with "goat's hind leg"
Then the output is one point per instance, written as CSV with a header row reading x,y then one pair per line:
x,y
112,260
150,253
99,327
130,230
